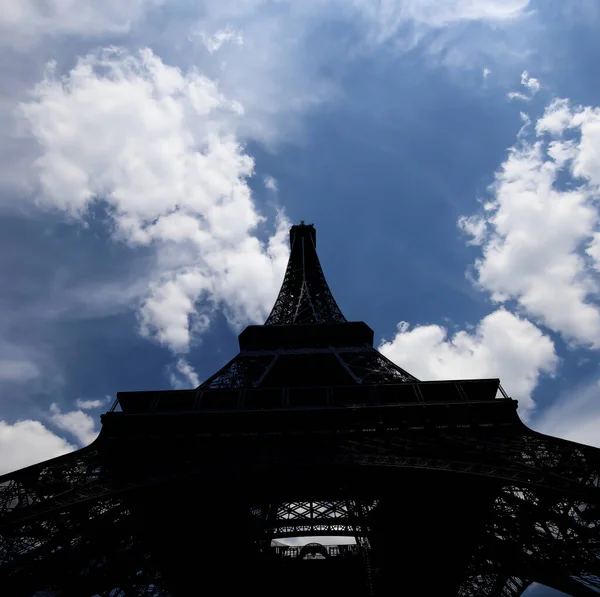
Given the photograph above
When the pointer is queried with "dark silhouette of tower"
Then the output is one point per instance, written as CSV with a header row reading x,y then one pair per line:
x,y
308,431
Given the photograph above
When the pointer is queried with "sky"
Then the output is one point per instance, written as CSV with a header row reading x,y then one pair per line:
x,y
153,154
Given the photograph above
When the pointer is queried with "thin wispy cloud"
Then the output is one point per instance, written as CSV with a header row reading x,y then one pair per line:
x,y
91,404
532,86
270,183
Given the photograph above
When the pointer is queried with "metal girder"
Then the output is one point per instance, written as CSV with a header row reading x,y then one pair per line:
x,y
528,461
363,364
370,366
304,518
539,535
493,585
241,372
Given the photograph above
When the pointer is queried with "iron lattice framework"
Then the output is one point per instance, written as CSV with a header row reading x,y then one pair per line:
x,y
304,296
308,431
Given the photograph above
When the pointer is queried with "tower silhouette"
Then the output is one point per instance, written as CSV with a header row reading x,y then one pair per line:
x,y
307,432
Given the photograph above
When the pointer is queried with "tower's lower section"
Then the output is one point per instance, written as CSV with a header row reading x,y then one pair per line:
x,y
448,499
186,539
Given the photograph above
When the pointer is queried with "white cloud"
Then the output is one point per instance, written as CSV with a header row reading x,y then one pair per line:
x,y
76,422
173,168
386,19
161,145
593,251
539,229
27,365
557,117
173,174
90,404
12,370
475,227
22,22
560,118
270,183
271,56
27,442
183,376
531,84
456,33
518,95
574,416
216,40
278,73
501,345
170,312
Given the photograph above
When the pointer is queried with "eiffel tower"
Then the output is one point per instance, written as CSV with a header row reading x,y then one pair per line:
x,y
437,488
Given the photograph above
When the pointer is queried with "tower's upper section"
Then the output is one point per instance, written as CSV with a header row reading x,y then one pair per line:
x,y
306,341
304,297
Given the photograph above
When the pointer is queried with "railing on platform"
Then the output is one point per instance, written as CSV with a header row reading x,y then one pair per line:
x,y
253,399
294,552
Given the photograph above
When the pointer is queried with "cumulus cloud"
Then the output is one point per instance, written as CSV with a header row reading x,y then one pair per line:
x,y
532,85
271,56
172,173
581,154
501,345
27,442
76,422
540,247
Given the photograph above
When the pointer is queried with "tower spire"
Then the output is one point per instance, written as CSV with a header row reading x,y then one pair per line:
x,y
305,297
306,320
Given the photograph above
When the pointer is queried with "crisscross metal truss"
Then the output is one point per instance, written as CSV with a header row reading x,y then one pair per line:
x,y
370,366
89,554
545,525
493,585
363,365
304,296
541,535
293,519
529,458
244,371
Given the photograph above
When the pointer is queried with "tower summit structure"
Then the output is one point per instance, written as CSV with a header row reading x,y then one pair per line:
x,y
307,432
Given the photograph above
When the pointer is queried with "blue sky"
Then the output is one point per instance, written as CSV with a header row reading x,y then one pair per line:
x,y
154,153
